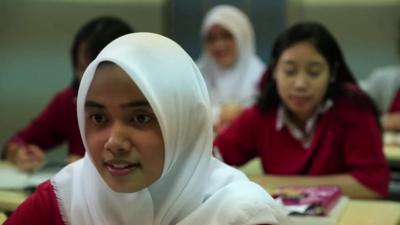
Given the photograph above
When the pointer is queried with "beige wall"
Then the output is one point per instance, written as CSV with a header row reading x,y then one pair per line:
x,y
367,30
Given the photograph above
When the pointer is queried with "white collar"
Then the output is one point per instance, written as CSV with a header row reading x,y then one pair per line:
x,y
305,137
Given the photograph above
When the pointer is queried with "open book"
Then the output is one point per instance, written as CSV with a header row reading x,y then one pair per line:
x,y
13,179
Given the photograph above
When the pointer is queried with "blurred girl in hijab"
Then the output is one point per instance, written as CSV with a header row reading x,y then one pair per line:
x,y
229,62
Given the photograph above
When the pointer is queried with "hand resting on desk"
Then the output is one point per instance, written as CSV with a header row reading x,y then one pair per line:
x,y
25,157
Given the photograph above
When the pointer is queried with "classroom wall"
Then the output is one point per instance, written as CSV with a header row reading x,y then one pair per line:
x,y
367,30
35,37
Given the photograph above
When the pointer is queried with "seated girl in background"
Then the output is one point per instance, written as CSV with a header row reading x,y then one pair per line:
x,y
312,124
229,62
57,123
148,160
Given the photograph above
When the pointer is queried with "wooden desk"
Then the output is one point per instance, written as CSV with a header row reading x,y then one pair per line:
x,y
2,218
392,153
365,212
10,200
371,212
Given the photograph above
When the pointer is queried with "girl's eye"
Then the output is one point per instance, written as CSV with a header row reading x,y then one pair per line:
x,y
290,72
98,119
314,70
314,73
140,119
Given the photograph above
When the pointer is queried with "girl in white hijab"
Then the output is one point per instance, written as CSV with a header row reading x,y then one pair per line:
x,y
229,62
145,121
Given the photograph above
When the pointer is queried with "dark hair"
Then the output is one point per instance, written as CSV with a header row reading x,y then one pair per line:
x,y
96,34
342,80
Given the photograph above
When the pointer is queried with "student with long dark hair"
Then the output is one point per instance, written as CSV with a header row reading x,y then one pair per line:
x,y
57,123
312,124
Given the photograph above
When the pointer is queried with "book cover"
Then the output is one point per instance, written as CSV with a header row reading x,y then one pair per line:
x,y
312,201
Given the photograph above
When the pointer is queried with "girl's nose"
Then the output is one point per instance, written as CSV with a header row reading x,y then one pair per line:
x,y
300,81
118,142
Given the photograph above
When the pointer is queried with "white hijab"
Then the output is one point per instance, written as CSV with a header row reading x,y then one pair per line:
x,y
237,84
194,187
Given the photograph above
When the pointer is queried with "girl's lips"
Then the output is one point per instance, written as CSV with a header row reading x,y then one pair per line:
x,y
299,100
121,168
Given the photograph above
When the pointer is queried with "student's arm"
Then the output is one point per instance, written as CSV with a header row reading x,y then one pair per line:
x,y
228,114
41,134
350,186
25,157
363,152
237,143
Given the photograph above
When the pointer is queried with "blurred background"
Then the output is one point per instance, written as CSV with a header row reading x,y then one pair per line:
x,y
35,38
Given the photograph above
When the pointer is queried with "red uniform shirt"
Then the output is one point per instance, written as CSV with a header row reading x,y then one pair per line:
x,y
57,123
347,139
41,208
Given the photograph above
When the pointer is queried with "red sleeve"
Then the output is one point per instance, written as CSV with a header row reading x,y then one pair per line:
x,y
40,208
364,152
237,143
45,130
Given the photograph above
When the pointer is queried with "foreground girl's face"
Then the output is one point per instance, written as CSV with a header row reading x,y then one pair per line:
x,y
302,78
221,45
122,132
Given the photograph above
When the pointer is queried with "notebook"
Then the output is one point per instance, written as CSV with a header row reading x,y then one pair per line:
x,y
13,179
322,205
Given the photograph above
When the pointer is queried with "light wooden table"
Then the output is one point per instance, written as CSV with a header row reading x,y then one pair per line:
x,y
371,212
2,218
362,212
392,153
10,200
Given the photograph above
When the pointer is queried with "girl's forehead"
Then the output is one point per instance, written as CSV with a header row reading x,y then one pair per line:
x,y
110,80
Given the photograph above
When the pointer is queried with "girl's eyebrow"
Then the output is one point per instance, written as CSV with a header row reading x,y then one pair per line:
x,y
139,103
136,104
93,104
289,62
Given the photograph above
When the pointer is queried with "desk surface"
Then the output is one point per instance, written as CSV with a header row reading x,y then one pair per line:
x,y
10,200
365,212
370,212
2,217
392,152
